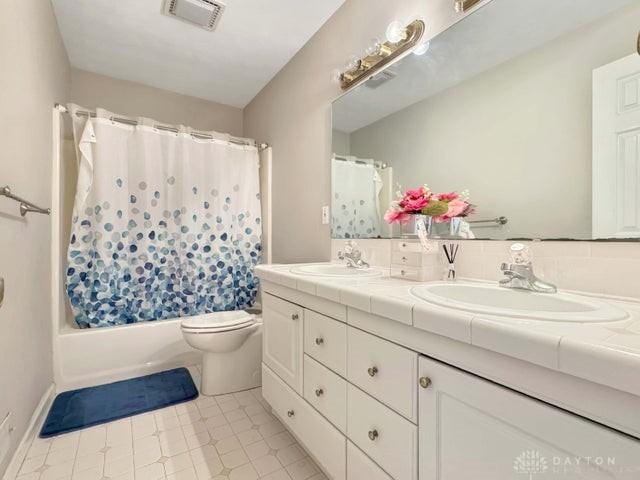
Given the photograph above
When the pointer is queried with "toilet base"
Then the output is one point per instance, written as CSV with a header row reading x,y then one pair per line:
x,y
233,371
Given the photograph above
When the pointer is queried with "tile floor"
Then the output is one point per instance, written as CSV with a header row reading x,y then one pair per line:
x,y
227,437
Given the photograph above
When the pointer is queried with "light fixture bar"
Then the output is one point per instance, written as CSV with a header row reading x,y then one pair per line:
x,y
387,53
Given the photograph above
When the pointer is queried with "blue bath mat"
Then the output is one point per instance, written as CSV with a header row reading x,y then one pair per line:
x,y
91,406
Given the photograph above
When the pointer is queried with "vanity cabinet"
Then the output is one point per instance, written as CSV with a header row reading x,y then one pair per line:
x,y
366,407
472,428
282,343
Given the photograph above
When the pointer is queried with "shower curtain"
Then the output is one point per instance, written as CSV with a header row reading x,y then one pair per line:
x,y
356,199
164,224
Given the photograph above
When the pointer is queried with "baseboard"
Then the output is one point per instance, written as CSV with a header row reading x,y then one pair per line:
x,y
32,430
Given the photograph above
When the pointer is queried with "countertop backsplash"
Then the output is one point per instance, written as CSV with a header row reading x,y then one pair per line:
x,y
606,268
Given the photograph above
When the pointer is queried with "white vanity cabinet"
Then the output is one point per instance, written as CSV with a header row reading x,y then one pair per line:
x,y
367,407
472,428
282,343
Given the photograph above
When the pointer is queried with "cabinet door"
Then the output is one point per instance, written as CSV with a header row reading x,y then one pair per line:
x,y
282,339
472,428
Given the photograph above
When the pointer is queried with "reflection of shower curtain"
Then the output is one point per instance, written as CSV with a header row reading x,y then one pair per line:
x,y
355,203
164,224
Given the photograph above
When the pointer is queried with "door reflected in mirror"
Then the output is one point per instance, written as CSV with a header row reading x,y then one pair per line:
x,y
533,107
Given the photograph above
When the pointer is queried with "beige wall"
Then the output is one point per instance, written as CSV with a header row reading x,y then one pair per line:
x,y
35,75
521,132
136,100
293,114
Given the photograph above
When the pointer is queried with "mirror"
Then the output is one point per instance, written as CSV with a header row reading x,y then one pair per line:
x,y
532,106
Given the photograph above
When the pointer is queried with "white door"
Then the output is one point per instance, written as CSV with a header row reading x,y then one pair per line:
x,y
470,428
616,149
282,347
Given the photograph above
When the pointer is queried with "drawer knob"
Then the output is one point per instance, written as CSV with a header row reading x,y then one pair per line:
x,y
372,371
373,435
425,382
295,316
319,392
290,413
319,341
404,259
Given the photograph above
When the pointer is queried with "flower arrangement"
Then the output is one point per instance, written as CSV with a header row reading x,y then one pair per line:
x,y
442,207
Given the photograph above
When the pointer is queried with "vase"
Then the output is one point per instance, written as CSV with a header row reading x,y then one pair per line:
x,y
425,223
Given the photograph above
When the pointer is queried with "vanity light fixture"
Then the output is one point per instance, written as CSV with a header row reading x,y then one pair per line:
x,y
401,40
421,48
463,6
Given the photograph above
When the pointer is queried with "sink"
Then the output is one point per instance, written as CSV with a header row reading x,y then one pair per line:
x,y
505,302
334,270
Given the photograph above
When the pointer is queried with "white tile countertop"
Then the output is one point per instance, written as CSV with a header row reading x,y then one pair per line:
x,y
604,353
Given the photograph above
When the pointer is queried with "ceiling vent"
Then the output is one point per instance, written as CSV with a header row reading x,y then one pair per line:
x,y
203,13
380,78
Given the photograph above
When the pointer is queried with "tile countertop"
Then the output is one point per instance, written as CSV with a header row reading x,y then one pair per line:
x,y
604,353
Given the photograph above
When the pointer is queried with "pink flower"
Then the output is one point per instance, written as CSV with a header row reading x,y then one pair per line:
x,y
457,208
394,215
448,197
414,204
416,193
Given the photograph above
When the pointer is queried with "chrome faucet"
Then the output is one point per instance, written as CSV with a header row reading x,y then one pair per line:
x,y
352,255
519,274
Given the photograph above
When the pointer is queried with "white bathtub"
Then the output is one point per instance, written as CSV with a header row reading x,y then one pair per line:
x,y
100,355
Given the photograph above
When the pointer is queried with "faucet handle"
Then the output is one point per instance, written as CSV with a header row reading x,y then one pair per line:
x,y
520,254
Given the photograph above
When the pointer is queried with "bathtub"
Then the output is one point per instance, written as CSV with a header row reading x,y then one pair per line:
x,y
86,357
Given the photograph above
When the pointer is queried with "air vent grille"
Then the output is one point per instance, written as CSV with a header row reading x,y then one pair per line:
x,y
380,78
203,13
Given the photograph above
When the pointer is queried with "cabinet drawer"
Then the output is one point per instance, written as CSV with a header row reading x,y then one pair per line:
x,y
385,370
360,467
410,259
325,340
326,444
326,391
282,340
406,246
390,440
408,273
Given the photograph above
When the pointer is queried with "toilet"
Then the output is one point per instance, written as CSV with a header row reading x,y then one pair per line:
x,y
231,345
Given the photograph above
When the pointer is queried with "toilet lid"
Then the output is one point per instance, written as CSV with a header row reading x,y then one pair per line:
x,y
219,320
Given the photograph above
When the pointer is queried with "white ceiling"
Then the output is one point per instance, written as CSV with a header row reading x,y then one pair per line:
x,y
133,40
498,32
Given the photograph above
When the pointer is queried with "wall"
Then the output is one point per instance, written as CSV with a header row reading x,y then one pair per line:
x,y
521,120
136,100
293,114
35,75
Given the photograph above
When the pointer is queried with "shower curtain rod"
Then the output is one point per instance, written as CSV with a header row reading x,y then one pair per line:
x,y
165,128
380,165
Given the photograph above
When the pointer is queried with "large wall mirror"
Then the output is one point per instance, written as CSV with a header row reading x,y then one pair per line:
x,y
532,106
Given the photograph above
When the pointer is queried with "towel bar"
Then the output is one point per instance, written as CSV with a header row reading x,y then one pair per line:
x,y
25,205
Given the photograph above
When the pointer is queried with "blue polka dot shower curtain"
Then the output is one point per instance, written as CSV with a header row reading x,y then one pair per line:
x,y
164,225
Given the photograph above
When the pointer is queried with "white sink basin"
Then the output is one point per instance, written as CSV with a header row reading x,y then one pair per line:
x,y
494,300
334,270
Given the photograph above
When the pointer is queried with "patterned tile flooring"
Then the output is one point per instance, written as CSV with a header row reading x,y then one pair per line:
x,y
226,437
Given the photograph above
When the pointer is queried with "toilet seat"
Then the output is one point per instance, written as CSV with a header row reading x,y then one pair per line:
x,y
218,322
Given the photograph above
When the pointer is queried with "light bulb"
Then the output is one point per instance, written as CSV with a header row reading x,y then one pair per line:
x,y
353,63
396,32
374,48
336,76
421,48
